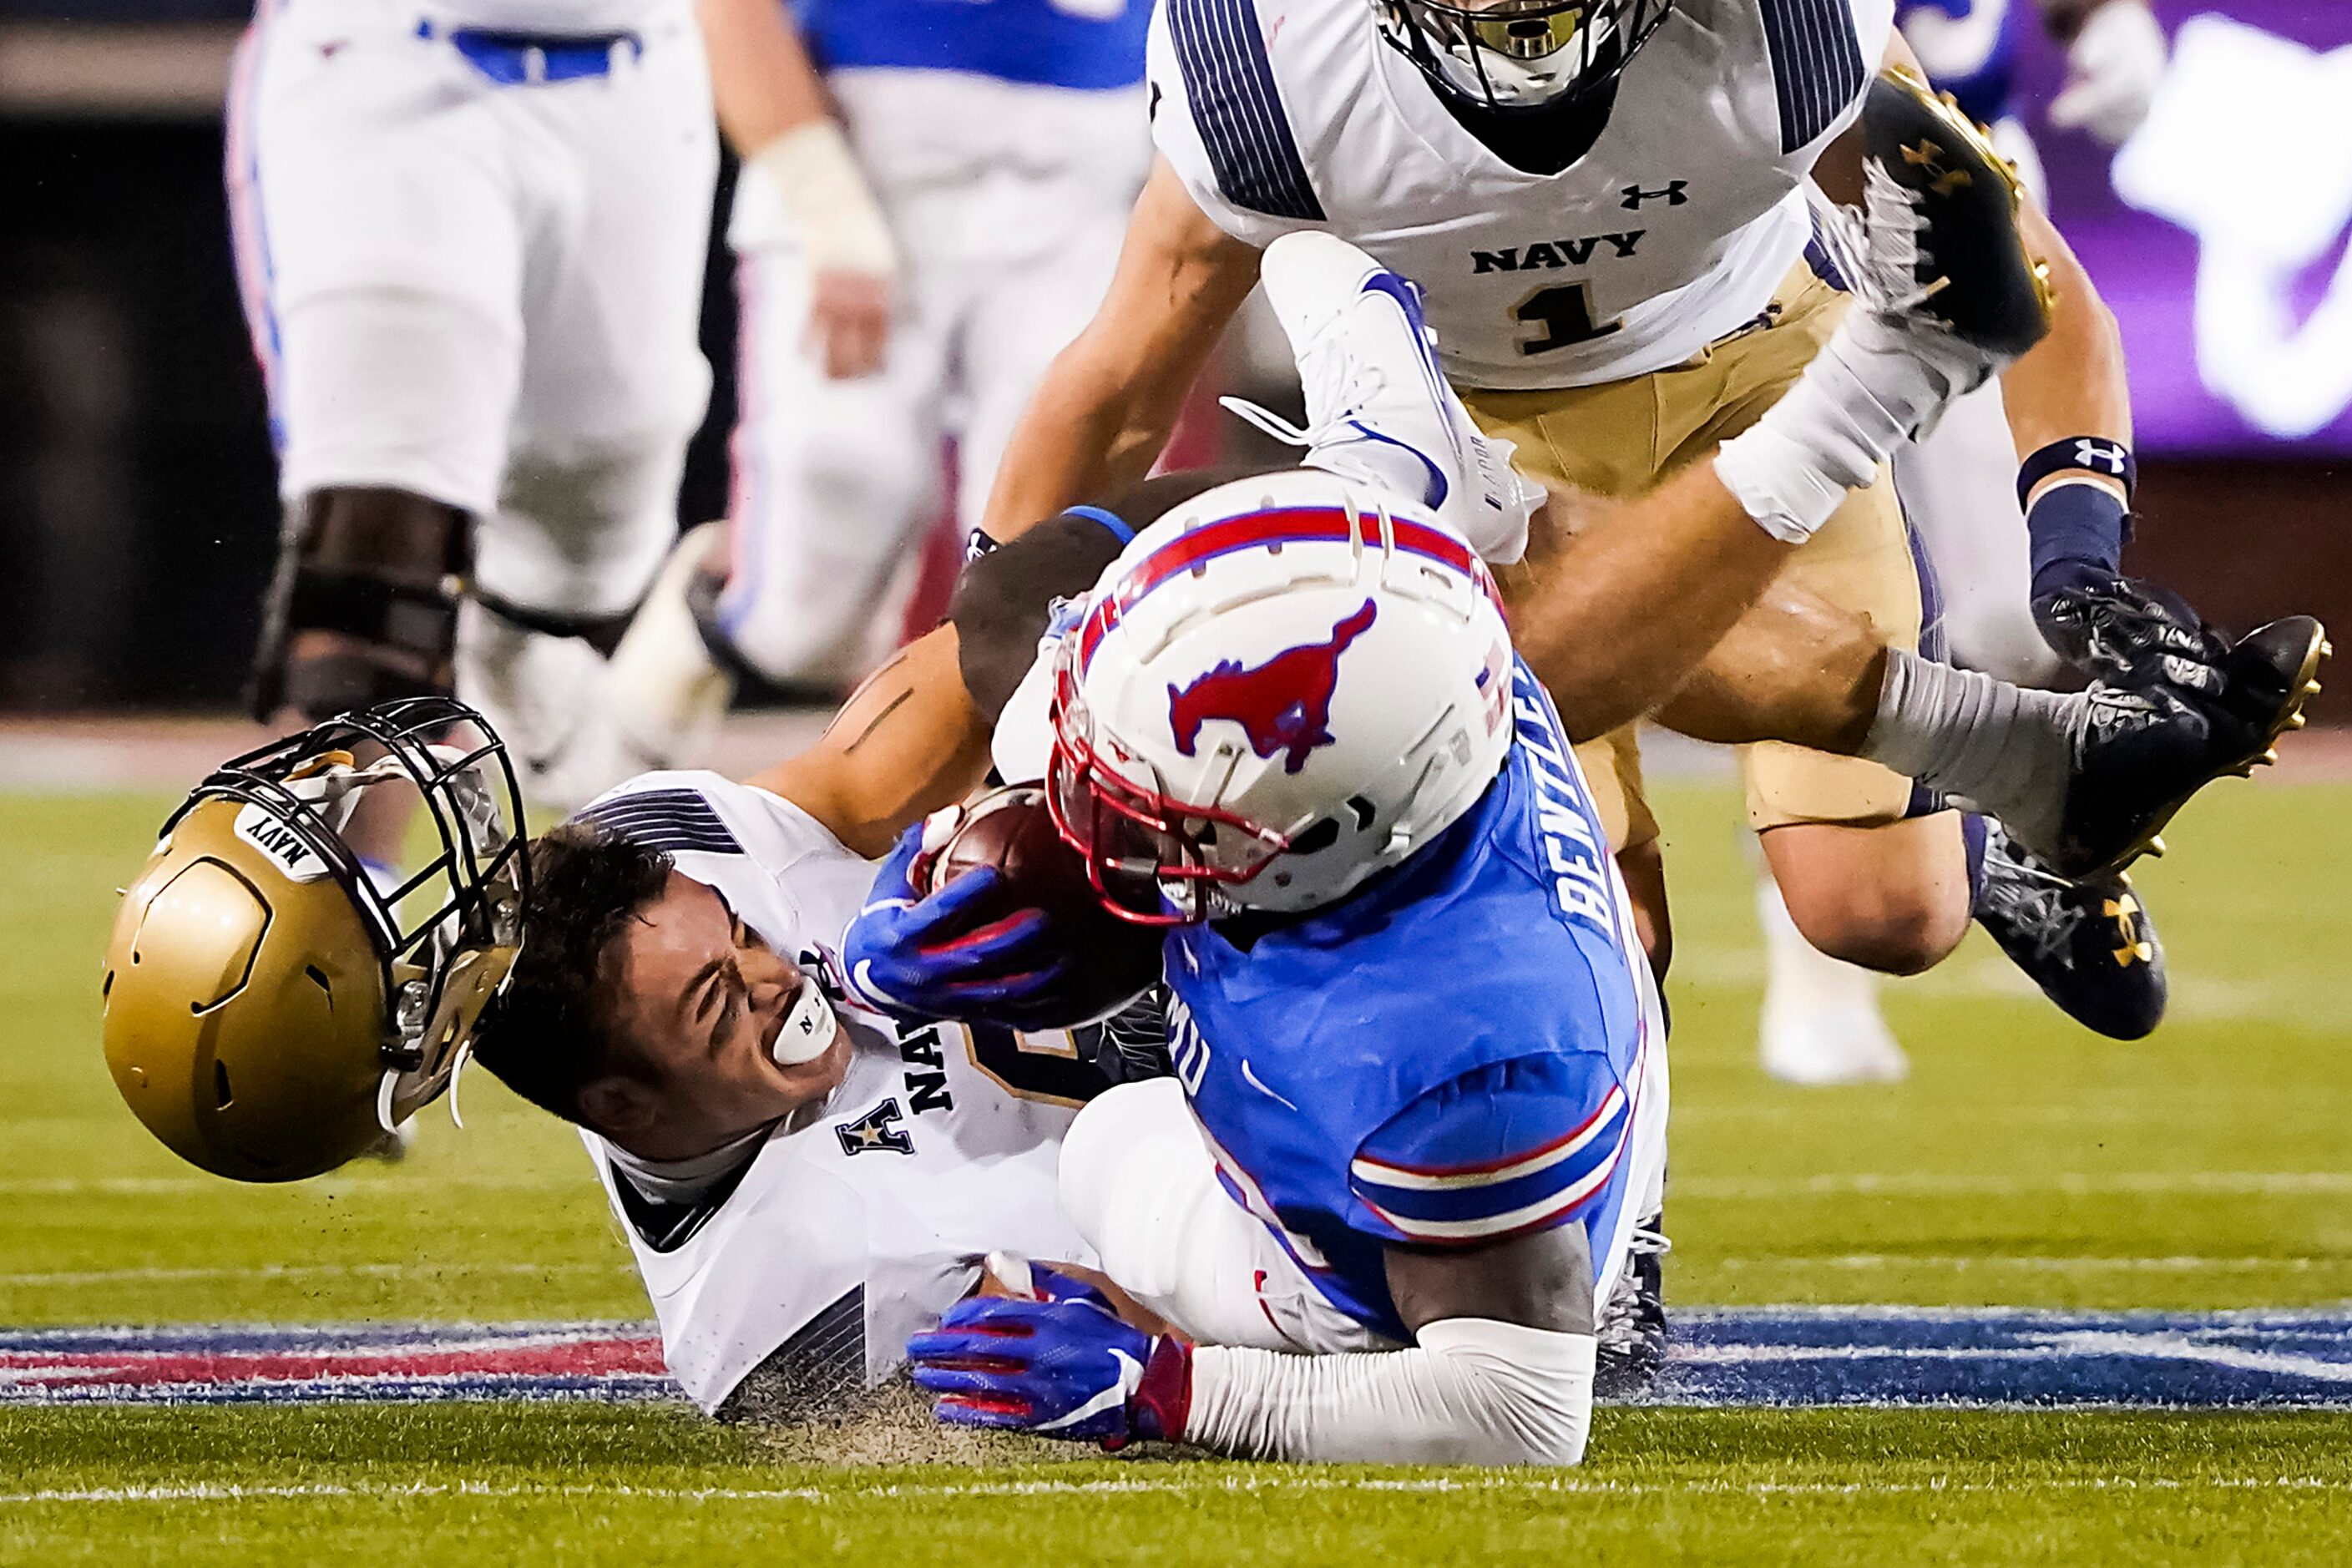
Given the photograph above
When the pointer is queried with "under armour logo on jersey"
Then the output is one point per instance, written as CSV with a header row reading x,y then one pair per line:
x,y
1282,705
876,1129
2091,454
1675,193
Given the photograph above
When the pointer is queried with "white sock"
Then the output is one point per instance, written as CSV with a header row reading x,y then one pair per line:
x,y
1791,470
1992,747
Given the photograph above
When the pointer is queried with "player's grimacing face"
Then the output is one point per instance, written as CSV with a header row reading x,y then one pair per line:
x,y
703,1000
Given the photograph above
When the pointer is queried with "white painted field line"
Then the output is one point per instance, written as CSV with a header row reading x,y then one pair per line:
x,y
1971,1184
2030,1262
303,1271
1196,1482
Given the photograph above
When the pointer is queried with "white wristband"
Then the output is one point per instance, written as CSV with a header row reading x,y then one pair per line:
x,y
842,228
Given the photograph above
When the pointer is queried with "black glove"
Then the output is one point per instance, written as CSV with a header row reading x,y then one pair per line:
x,y
2126,632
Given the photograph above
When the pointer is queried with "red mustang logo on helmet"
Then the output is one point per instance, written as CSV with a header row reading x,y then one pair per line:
x,y
1283,705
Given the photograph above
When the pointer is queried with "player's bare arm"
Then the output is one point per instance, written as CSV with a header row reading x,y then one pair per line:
x,y
2069,406
774,111
909,741
1105,410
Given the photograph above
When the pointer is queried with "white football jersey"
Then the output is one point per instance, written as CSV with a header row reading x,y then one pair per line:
x,y
862,1218
1674,230
556,18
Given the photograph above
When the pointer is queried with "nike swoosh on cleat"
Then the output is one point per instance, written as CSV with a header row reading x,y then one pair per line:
x,y
1438,488
1407,300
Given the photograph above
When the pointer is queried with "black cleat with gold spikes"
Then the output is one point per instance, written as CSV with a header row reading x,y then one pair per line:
x,y
1979,279
2089,945
2147,752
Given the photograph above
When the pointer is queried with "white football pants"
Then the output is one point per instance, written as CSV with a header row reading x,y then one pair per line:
x,y
1009,203
484,294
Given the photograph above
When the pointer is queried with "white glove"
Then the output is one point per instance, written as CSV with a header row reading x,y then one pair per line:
x,y
2112,70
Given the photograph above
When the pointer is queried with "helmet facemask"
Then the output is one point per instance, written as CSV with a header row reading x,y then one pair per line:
x,y
1152,859
447,934
1520,54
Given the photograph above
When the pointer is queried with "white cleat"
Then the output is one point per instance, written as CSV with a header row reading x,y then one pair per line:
x,y
1378,408
1822,1026
1816,1047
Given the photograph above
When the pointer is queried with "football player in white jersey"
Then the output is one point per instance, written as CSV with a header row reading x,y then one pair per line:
x,y
470,238
1604,202
904,273
804,1181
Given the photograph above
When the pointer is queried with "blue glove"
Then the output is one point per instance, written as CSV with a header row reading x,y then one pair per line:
x,y
1066,1367
918,957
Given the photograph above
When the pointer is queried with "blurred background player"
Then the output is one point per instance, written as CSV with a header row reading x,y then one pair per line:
x,y
905,276
1821,1022
470,244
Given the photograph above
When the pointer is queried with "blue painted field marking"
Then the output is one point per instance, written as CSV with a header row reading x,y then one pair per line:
x,y
1743,1357
1892,1355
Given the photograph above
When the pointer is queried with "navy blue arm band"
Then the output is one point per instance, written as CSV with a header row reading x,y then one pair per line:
x,y
2091,453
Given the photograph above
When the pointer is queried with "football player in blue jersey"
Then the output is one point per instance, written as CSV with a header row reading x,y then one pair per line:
x,y
1418,1113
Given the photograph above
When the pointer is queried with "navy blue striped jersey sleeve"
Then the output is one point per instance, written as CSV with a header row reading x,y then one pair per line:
x,y
676,820
1512,1147
1818,69
1237,108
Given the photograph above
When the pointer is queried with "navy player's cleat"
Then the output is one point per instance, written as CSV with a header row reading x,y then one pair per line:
x,y
2089,945
1970,264
2142,755
2272,671
1379,407
1632,1332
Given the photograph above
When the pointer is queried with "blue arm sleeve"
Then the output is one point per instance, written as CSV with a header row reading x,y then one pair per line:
x,y
1515,1146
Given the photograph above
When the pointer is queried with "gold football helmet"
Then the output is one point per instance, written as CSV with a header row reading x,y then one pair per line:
x,y
269,1011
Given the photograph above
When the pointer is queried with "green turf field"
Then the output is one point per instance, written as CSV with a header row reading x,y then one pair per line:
x,y
1831,1489
2025,1163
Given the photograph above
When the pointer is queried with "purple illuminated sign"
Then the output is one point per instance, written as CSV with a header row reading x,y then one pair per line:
x,y
2219,232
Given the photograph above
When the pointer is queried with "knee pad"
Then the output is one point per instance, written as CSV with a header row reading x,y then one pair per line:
x,y
378,572
579,538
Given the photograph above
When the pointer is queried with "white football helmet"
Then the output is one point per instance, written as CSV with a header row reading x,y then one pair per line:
x,y
1288,684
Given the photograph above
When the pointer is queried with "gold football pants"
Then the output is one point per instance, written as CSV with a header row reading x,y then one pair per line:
x,y
1619,439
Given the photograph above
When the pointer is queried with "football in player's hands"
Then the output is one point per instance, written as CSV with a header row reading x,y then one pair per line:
x,y
1012,830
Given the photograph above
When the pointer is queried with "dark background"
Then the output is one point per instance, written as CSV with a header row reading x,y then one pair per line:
x,y
137,502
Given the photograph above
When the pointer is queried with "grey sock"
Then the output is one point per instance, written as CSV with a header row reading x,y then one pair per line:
x,y
1992,747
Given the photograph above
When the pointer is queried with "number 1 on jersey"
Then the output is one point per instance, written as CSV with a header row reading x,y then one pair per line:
x,y
1564,312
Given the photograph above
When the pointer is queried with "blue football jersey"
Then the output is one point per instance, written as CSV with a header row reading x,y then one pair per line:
x,y
1086,43
1451,1056
1969,48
